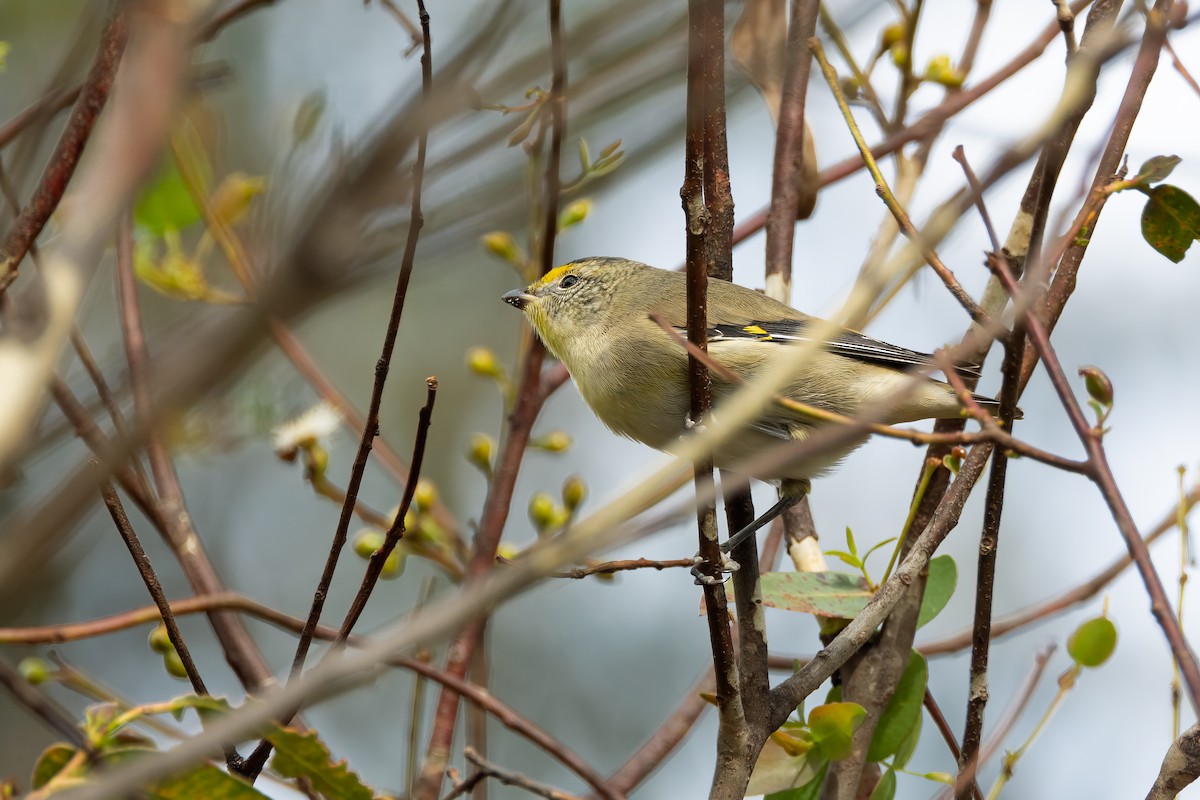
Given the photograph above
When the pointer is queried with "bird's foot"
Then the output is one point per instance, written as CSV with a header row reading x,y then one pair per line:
x,y
727,566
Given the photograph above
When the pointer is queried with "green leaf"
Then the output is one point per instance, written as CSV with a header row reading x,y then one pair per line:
x,y
50,763
886,788
303,755
850,545
205,781
847,558
308,116
809,791
939,588
1157,169
166,203
1170,221
884,543
832,726
908,746
903,712
830,594
585,158
1093,642
776,771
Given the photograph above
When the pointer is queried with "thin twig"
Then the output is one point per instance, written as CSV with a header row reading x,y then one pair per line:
x,y
41,706
507,777
255,762
146,570
396,531
530,398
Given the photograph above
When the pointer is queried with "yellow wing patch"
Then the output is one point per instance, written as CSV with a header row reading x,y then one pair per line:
x,y
757,331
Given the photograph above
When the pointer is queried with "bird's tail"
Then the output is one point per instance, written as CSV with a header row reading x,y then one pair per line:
x,y
992,406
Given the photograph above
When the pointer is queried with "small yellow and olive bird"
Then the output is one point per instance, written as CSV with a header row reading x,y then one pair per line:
x,y
596,316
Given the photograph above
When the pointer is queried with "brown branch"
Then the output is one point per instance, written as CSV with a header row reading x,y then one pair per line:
x,y
146,570
1180,767
530,398
396,531
65,158
1068,263
1102,476
486,769
1072,597
989,538
780,220
787,695
239,648
257,759
928,123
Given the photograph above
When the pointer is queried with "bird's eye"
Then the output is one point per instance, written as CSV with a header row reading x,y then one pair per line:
x,y
569,281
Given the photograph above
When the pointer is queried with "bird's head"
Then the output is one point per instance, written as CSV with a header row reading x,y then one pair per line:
x,y
569,300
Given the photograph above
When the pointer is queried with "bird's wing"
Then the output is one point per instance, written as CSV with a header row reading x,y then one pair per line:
x,y
846,343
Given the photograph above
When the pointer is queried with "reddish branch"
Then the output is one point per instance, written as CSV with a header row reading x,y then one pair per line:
x,y
780,217
66,154
530,398
239,648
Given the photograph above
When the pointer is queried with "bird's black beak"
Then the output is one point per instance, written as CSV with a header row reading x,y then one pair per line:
x,y
516,298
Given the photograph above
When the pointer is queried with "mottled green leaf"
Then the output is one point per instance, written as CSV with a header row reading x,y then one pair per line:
x,y
50,763
939,588
903,711
1170,221
832,727
830,594
303,755
1157,169
1093,642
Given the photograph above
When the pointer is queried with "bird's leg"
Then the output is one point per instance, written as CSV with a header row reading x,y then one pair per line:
x,y
790,493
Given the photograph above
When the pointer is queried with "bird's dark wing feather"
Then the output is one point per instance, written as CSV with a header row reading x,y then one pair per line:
x,y
847,343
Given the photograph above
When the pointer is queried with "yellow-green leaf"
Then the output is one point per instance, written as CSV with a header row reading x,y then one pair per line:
x,y
832,726
830,594
1170,221
303,755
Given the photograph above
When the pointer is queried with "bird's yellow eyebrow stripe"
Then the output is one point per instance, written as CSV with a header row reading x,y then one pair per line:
x,y
756,330
553,275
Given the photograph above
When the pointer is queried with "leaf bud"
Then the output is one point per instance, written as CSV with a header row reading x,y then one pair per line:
x,y
393,567
1093,642
174,665
941,71
1098,386
893,34
553,442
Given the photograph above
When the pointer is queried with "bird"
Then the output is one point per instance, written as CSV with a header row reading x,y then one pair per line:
x,y
603,318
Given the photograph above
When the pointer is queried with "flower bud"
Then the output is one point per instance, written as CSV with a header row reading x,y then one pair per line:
x,y
35,670
574,491
893,34
483,362
553,442
367,541
479,452
393,567
543,511
424,498
230,201
502,245
941,71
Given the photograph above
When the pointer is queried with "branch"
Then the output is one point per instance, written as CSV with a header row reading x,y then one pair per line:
x,y
63,161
